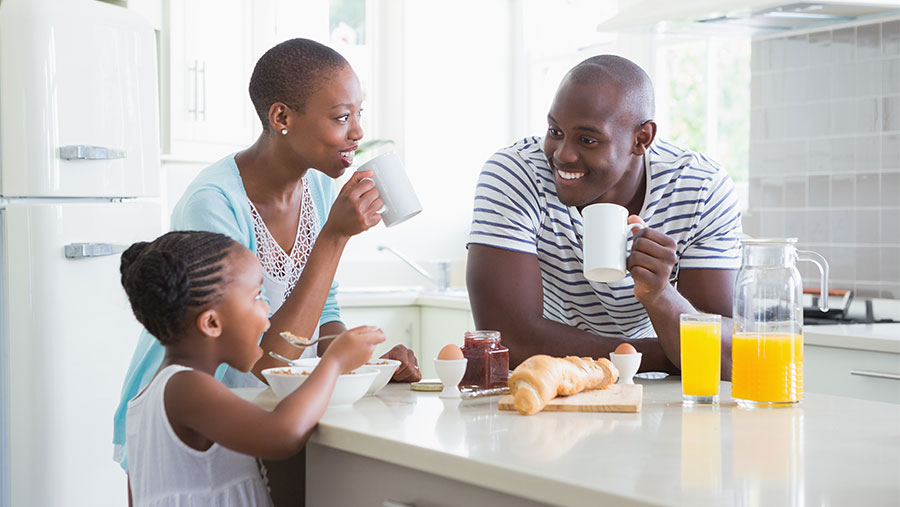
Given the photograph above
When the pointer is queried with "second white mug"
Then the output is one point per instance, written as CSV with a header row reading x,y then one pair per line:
x,y
606,231
394,188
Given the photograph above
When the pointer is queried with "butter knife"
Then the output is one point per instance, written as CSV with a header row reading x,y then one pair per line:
x,y
482,393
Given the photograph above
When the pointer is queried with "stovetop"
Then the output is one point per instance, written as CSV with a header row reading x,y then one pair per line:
x,y
815,317
824,321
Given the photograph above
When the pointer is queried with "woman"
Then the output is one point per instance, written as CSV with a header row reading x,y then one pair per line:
x,y
267,198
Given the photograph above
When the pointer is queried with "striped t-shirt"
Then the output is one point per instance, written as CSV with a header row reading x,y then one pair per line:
x,y
688,197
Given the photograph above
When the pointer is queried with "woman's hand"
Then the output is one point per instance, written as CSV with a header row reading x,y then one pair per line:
x,y
653,256
356,207
408,371
352,348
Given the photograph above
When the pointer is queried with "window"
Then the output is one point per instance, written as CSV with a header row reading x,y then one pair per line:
x,y
348,29
703,100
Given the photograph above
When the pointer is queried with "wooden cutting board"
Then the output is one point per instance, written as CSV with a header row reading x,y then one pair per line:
x,y
618,398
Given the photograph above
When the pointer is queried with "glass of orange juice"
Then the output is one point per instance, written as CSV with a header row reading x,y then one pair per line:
x,y
701,351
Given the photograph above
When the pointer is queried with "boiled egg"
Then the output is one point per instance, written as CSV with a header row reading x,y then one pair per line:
x,y
450,352
626,348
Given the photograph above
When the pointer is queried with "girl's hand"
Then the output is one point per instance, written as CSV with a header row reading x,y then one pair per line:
x,y
356,207
352,348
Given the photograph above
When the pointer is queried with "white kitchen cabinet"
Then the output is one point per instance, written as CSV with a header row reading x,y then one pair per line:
x,y
399,323
208,58
864,374
381,483
441,326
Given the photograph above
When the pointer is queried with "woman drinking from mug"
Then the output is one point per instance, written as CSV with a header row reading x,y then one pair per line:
x,y
277,198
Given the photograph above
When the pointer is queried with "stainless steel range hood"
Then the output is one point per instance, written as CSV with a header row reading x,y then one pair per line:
x,y
742,17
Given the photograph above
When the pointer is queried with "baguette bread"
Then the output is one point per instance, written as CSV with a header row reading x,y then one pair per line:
x,y
541,378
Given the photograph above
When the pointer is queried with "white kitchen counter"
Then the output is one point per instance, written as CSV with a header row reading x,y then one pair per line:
x,y
874,337
828,451
358,297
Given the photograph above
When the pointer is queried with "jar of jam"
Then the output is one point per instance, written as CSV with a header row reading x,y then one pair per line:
x,y
488,360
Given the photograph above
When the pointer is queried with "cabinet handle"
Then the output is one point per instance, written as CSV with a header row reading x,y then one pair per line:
x,y
202,104
391,503
875,374
192,108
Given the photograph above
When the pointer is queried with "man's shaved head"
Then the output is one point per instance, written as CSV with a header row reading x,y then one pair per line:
x,y
637,90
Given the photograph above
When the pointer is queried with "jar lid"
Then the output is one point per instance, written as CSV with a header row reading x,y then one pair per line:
x,y
482,335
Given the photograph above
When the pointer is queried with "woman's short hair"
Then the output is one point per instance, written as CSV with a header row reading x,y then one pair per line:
x,y
290,73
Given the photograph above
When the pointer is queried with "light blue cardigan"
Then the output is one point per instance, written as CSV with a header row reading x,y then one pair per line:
x,y
215,201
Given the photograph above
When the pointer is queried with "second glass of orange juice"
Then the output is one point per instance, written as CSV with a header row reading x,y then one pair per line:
x,y
701,352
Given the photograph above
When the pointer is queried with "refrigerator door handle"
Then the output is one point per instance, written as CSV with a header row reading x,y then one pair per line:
x,y
85,152
85,250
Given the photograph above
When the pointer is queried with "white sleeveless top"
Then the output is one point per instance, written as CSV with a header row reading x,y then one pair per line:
x,y
164,471
281,271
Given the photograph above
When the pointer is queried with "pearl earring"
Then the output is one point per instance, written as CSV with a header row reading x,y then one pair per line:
x,y
284,132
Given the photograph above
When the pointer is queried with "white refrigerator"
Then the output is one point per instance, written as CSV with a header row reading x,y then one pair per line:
x,y
79,181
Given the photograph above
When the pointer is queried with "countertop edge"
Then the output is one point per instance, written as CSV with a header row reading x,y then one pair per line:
x,y
854,338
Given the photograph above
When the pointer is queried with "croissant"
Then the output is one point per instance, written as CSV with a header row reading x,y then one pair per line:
x,y
541,378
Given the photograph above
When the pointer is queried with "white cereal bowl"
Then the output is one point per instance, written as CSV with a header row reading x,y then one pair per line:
x,y
386,369
348,389
627,364
310,362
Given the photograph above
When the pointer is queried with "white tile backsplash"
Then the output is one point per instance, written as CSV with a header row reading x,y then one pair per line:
x,y
890,76
843,44
891,113
868,41
890,151
825,150
890,38
890,188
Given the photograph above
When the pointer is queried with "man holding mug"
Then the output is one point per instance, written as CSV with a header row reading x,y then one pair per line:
x,y
526,262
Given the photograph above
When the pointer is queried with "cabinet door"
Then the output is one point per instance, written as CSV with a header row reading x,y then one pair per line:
x,y
441,326
210,53
399,323
855,373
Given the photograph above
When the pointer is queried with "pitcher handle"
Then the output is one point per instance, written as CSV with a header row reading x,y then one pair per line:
x,y
818,260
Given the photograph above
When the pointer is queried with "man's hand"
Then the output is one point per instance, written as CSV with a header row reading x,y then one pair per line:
x,y
653,255
408,371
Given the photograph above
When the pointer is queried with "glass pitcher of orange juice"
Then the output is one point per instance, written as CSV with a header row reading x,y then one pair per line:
x,y
767,343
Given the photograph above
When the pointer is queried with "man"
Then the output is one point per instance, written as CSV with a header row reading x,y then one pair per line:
x,y
525,270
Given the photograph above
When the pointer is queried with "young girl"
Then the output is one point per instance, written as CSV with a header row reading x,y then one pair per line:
x,y
191,441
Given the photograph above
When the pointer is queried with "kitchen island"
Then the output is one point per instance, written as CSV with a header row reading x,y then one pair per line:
x,y
414,448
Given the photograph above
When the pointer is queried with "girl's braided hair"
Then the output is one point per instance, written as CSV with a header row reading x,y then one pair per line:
x,y
165,277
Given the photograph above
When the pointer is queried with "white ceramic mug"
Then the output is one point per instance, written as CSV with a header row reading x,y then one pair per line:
x,y
394,188
606,231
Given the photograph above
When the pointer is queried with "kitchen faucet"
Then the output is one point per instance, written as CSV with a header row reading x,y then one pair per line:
x,y
443,279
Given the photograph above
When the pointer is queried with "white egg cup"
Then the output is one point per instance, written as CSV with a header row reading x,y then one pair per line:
x,y
627,364
451,372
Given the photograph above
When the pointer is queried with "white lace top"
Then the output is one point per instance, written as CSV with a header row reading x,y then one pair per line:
x,y
281,270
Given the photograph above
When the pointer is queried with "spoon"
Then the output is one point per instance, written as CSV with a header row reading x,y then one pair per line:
x,y
278,356
301,342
